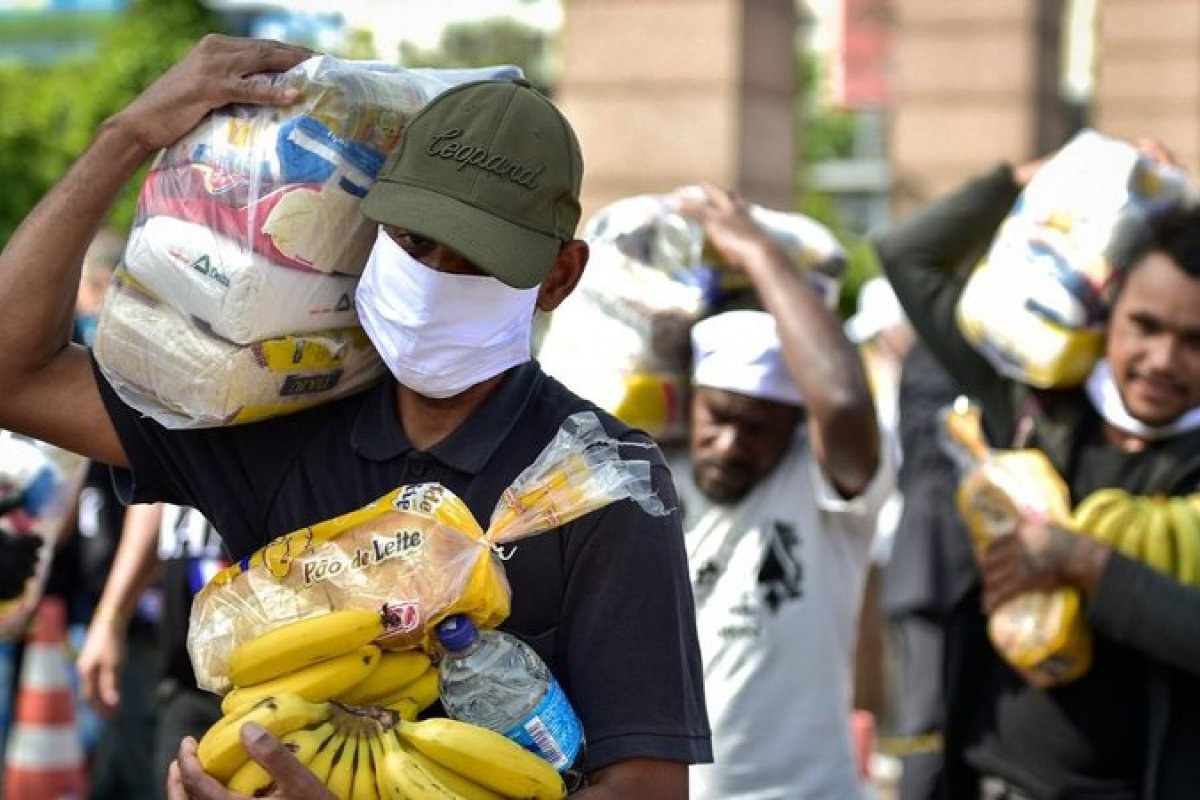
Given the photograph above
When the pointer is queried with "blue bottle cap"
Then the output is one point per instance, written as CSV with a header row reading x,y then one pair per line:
x,y
457,632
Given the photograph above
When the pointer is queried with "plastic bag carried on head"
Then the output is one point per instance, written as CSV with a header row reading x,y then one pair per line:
x,y
39,490
1037,304
621,338
249,230
416,554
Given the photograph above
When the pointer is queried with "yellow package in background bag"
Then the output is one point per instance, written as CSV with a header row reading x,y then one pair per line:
x,y
416,554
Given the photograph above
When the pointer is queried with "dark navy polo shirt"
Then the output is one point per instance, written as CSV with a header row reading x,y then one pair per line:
x,y
605,600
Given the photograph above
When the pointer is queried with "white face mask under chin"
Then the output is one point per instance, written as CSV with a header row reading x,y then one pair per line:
x,y
440,333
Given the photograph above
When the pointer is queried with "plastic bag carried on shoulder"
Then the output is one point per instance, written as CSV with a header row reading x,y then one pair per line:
x,y
249,229
1042,634
621,338
39,487
1037,303
416,554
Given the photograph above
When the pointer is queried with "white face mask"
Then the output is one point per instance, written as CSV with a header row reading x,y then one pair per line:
x,y
440,334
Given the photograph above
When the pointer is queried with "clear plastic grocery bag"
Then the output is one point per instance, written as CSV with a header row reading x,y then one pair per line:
x,y
622,338
1042,634
249,230
416,554
1037,304
39,487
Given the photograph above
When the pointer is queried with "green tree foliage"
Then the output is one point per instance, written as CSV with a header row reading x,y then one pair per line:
x,y
829,133
51,112
825,133
500,40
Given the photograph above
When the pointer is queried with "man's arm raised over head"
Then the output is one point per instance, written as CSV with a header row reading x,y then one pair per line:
x,y
50,390
821,360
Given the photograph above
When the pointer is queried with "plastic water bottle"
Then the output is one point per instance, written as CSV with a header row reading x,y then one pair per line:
x,y
494,680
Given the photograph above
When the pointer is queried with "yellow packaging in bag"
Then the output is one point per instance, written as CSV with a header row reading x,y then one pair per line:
x,y
416,554
1042,634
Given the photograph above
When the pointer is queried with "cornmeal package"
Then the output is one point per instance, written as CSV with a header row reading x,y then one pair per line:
x,y
248,230
1042,634
416,554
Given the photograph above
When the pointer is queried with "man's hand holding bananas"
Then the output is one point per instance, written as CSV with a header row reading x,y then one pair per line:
x,y
293,780
1041,556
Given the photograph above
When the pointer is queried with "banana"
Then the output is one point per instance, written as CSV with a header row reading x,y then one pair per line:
x,y
1159,545
252,780
364,769
1095,506
416,697
324,680
1132,539
341,772
402,778
322,762
395,671
220,750
383,783
461,787
1110,525
298,644
1186,528
484,757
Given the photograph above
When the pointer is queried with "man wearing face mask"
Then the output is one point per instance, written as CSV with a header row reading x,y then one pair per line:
x,y
478,210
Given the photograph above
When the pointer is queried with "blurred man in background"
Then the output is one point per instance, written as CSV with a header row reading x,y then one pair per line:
x,y
779,488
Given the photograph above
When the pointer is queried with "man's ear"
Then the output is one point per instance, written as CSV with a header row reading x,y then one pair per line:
x,y
564,275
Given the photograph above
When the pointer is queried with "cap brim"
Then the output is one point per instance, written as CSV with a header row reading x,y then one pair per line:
x,y
514,254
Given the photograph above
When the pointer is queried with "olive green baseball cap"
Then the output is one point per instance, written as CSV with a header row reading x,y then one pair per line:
x,y
492,170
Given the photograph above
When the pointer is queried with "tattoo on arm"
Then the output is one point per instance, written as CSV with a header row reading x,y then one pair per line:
x,y
1053,557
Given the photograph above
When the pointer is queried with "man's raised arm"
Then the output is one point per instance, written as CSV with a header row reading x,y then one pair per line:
x,y
48,388
824,364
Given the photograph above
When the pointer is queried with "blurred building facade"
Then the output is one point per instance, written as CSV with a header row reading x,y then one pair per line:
x,y
666,93
974,82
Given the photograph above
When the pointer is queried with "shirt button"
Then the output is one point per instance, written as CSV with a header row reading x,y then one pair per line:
x,y
418,468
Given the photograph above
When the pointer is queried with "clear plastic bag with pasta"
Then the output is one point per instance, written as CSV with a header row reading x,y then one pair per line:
x,y
416,554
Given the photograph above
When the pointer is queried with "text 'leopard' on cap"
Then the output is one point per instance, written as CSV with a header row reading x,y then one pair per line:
x,y
490,169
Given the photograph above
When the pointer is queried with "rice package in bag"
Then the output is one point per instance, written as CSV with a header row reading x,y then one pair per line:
x,y
416,554
621,339
1042,634
1037,303
39,489
181,375
249,230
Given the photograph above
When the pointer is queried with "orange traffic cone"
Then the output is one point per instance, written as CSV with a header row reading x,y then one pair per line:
x,y
44,758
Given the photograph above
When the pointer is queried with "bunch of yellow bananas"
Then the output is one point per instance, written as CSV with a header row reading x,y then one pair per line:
x,y
373,753
345,708
1162,531
331,657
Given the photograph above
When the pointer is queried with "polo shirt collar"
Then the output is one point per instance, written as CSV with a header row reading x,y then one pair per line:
x,y
379,436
